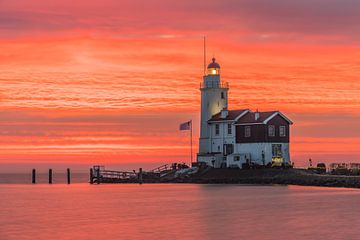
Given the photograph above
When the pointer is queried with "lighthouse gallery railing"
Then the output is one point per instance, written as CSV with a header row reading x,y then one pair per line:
x,y
214,85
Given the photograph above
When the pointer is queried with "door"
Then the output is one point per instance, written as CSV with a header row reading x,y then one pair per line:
x,y
276,150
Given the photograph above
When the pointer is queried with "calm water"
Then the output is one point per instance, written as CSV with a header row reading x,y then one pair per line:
x,y
167,211
42,177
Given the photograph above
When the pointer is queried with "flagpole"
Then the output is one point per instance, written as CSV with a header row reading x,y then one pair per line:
x,y
191,151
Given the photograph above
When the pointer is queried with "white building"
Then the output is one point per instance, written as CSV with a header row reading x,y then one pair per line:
x,y
237,138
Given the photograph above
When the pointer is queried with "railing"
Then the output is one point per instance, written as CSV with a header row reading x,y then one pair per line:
x,y
117,174
161,168
345,168
214,85
100,172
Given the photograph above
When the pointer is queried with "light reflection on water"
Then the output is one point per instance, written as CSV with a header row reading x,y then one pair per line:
x,y
177,211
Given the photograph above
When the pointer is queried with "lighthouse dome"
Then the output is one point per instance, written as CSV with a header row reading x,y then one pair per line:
x,y
213,64
213,68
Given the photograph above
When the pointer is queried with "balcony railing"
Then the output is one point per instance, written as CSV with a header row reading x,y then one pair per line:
x,y
214,85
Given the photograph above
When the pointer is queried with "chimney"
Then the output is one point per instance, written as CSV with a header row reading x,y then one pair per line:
x,y
224,113
257,115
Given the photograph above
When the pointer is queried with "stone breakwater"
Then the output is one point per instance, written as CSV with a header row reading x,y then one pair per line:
x,y
270,176
301,177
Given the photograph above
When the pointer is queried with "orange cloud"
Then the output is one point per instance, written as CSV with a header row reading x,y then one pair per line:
x,y
112,90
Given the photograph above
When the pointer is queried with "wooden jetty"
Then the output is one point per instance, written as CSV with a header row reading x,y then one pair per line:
x,y
98,174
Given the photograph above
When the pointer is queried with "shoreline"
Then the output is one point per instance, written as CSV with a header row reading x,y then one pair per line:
x,y
296,177
299,177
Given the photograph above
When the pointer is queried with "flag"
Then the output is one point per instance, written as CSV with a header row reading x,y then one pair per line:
x,y
185,126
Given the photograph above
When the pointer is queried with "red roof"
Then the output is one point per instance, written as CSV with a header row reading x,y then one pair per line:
x,y
250,117
233,114
263,118
247,117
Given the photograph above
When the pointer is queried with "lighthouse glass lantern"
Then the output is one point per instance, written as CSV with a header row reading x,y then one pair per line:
x,y
214,68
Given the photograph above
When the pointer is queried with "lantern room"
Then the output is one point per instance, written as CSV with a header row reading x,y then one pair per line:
x,y
213,68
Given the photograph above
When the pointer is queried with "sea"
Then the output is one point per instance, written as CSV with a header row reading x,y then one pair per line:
x,y
81,211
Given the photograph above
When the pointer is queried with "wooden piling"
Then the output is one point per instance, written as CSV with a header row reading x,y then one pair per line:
x,y
98,175
33,176
50,176
68,176
140,176
91,176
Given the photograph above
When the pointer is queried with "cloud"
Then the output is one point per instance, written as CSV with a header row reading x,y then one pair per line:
x,y
23,20
309,16
278,20
77,76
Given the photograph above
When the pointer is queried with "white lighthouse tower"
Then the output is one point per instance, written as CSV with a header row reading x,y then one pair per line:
x,y
214,99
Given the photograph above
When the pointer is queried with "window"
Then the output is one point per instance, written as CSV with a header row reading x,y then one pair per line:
x,y
237,158
282,131
222,95
271,131
217,129
213,71
229,129
247,131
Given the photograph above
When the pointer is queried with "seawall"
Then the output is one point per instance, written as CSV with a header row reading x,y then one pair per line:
x,y
271,176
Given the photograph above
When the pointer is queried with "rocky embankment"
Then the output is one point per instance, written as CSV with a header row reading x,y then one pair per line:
x,y
272,176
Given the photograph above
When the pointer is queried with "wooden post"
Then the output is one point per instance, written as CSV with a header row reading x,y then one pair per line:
x,y
50,176
68,176
91,176
191,143
140,176
98,175
33,176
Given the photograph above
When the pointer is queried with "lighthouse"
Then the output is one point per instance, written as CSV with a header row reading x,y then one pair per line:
x,y
238,138
214,99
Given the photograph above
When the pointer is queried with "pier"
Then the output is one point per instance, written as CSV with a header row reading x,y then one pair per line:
x,y
98,174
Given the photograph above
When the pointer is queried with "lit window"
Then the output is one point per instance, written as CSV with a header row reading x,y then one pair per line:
x,y
217,129
282,131
271,131
229,129
213,71
247,131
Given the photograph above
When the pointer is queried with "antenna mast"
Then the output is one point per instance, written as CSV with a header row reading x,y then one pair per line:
x,y
204,55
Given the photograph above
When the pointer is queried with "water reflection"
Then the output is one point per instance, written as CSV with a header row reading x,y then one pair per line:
x,y
167,211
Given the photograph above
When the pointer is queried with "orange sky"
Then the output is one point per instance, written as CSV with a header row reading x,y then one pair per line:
x,y
109,81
